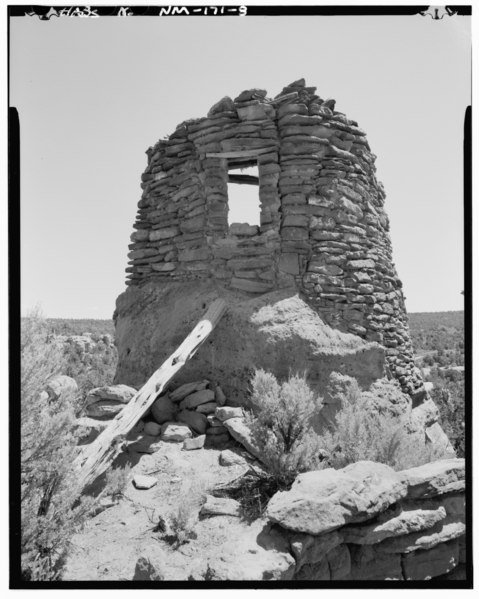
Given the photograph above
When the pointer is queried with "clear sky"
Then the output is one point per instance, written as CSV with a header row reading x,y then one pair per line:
x,y
94,94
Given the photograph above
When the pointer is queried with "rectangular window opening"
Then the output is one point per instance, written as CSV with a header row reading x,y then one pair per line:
x,y
243,192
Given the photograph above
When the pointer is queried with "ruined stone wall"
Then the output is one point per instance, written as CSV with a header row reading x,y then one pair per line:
x,y
323,228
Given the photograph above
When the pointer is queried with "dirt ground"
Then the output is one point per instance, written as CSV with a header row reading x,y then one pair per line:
x,y
111,542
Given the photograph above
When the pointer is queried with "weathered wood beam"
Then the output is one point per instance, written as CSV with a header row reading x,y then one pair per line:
x,y
243,179
95,458
239,153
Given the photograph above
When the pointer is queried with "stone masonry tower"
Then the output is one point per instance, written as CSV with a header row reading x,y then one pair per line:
x,y
323,228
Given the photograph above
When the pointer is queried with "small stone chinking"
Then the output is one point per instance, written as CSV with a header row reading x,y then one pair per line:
x,y
323,227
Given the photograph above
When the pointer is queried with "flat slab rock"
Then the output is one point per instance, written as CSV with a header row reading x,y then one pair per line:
x,y
227,412
321,501
194,443
187,389
174,432
120,393
144,444
231,458
220,506
142,481
442,532
435,478
238,429
409,520
91,424
197,398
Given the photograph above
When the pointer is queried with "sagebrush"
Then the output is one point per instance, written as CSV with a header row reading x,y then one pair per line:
x,y
116,481
183,518
281,425
48,447
362,433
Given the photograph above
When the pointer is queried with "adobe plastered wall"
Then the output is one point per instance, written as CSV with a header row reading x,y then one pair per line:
x,y
322,228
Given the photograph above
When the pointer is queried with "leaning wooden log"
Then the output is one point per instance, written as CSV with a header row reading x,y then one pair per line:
x,y
94,459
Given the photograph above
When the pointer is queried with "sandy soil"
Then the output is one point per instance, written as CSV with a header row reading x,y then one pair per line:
x,y
111,542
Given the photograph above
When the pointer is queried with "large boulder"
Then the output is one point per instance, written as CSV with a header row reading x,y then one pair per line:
x,y
195,420
163,409
175,432
104,409
60,385
321,501
276,331
107,401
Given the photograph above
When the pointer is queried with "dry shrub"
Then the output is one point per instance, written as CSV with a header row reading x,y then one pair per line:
x,y
280,424
48,448
183,519
361,433
116,481
253,490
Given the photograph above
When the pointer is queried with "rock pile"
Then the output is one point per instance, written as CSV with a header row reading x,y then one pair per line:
x,y
193,414
368,522
323,228
195,408
383,396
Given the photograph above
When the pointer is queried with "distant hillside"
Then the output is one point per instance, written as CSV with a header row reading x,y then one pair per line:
x,y
437,331
432,320
429,330
77,326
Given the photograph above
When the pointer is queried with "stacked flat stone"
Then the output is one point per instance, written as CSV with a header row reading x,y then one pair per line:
x,y
195,405
322,226
368,522
102,404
